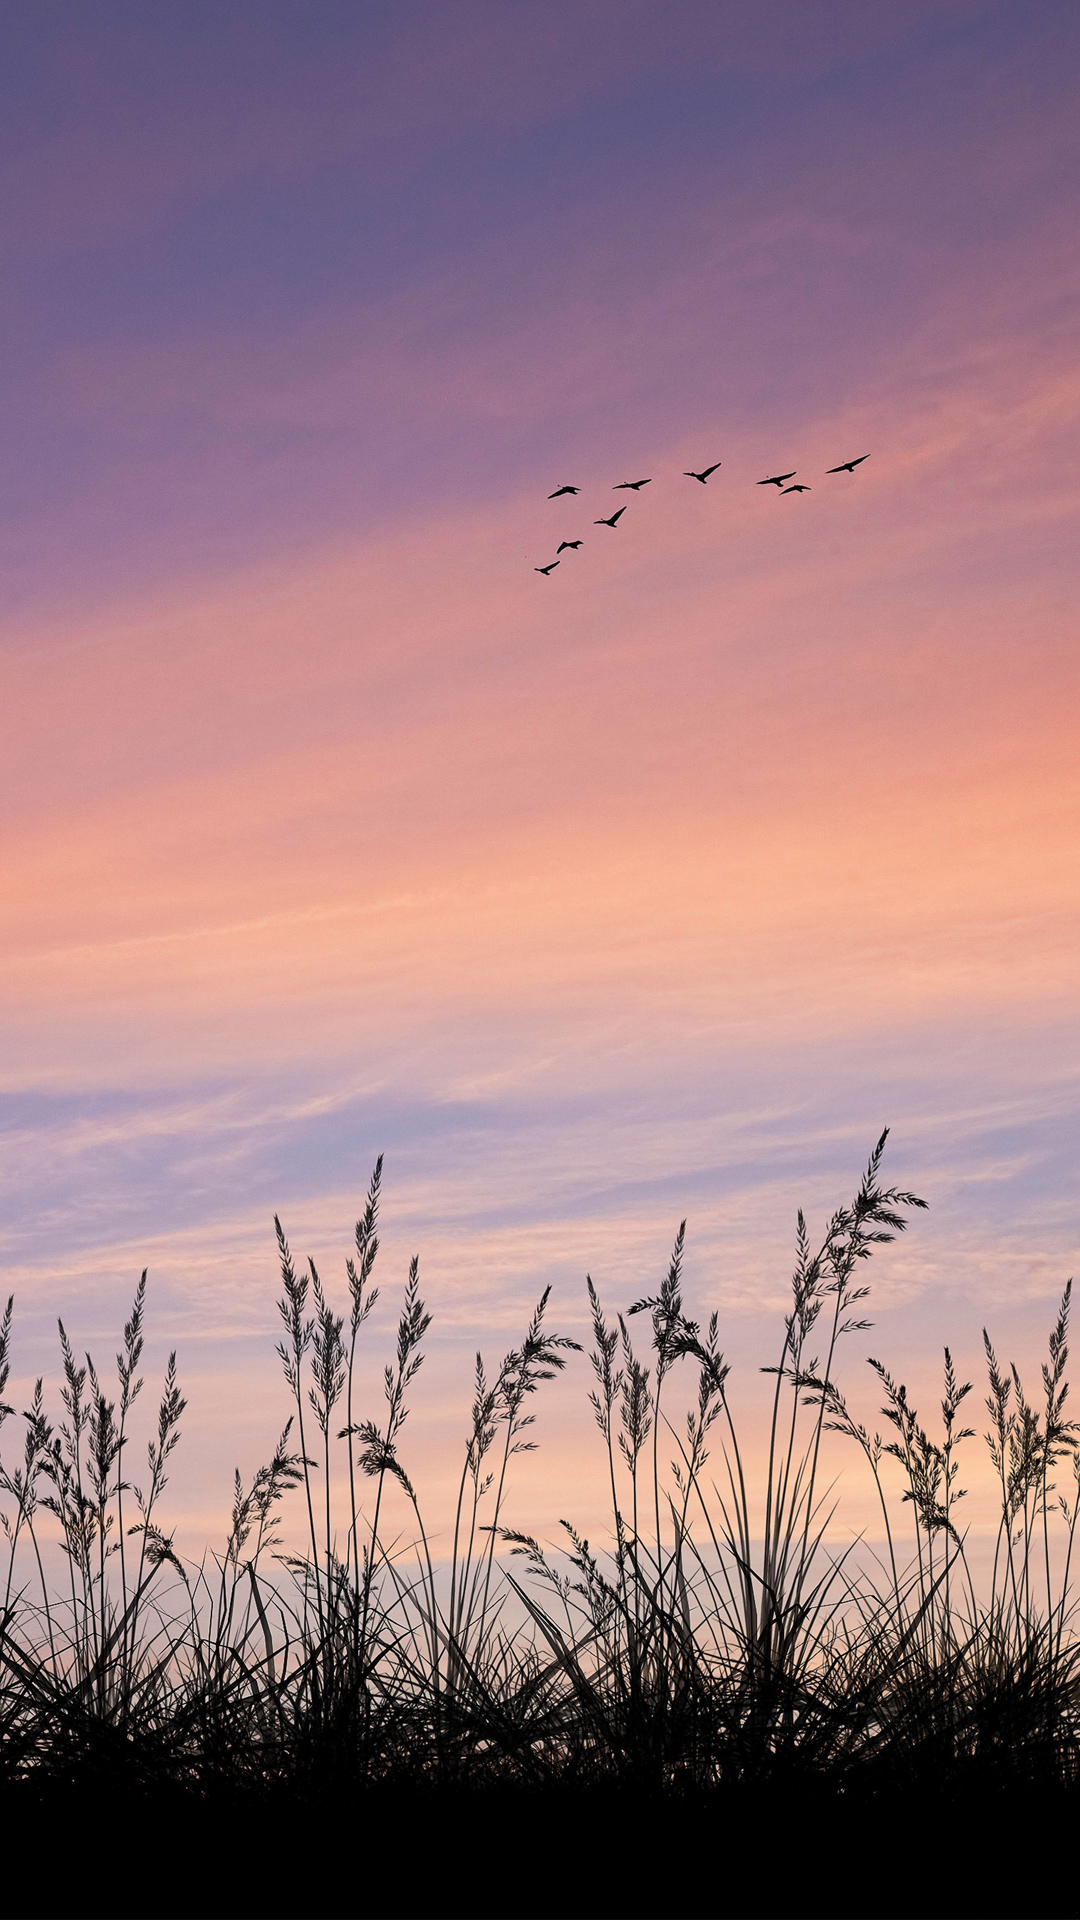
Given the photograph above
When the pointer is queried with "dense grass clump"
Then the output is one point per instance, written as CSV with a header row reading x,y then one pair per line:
x,y
715,1663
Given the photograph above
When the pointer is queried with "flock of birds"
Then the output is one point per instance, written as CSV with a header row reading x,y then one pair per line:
x,y
778,480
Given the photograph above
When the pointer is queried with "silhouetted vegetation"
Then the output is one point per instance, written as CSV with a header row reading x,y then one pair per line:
x,y
716,1657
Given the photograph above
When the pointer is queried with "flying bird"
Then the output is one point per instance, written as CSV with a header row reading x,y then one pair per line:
x,y
559,491
795,489
848,466
617,515
705,474
632,484
572,544
777,479
550,568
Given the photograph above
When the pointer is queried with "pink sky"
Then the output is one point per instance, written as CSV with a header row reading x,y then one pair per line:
x,y
652,889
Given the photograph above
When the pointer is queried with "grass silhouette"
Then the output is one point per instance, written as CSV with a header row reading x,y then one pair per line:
x,y
718,1665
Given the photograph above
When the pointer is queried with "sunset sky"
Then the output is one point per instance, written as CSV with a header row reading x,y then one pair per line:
x,y
653,888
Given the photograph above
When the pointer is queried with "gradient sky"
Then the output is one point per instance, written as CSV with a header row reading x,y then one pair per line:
x,y
654,888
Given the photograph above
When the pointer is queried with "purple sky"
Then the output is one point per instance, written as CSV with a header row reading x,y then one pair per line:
x,y
655,888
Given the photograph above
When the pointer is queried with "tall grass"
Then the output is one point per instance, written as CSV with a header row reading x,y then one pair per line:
x,y
718,1635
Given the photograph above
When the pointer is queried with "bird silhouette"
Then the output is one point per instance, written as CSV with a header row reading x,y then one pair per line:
x,y
632,484
703,476
777,479
848,466
559,491
792,489
552,564
572,544
617,515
